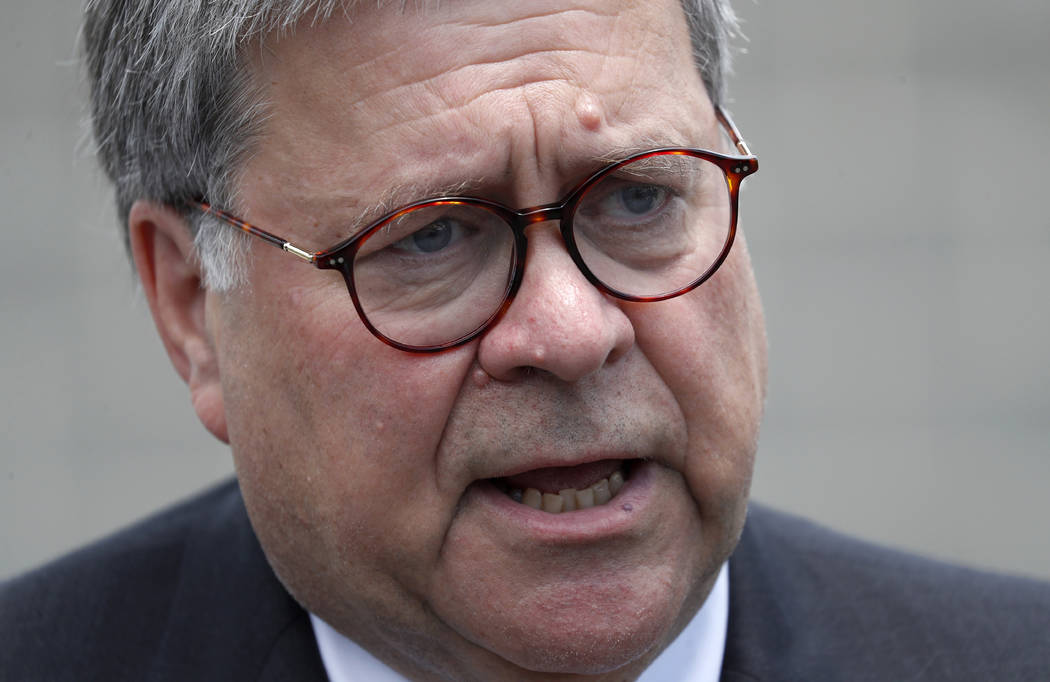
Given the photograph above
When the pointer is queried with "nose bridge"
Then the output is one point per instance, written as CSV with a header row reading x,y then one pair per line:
x,y
558,321
535,215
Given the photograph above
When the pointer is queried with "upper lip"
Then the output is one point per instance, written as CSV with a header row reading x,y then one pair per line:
x,y
561,460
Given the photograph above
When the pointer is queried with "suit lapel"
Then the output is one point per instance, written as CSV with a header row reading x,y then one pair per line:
x,y
759,639
294,655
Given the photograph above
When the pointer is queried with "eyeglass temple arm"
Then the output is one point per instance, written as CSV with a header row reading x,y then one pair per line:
x,y
734,132
255,231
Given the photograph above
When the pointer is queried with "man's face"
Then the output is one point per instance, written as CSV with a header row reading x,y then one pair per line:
x,y
374,477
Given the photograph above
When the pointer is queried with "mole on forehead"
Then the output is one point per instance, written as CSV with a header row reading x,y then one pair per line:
x,y
589,112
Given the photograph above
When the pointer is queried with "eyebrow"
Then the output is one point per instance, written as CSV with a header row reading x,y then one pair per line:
x,y
400,195
388,200
647,144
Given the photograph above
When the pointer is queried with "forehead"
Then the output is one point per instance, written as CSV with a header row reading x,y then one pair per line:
x,y
386,103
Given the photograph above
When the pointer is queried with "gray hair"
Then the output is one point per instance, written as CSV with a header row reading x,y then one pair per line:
x,y
175,113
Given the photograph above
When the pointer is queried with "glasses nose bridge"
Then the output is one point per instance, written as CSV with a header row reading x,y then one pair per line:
x,y
558,212
539,214
543,213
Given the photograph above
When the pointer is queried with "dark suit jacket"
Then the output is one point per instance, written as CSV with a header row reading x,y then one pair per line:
x,y
188,595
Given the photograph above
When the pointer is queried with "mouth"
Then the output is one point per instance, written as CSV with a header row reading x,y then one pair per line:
x,y
560,490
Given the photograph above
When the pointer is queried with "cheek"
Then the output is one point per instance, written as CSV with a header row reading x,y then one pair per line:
x,y
303,367
334,436
709,347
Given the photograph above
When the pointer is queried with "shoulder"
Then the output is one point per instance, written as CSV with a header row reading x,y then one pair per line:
x,y
143,557
818,599
164,599
107,602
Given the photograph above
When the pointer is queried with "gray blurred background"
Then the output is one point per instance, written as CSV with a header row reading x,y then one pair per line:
x,y
899,227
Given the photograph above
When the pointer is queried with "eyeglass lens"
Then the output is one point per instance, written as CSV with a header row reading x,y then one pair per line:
x,y
436,273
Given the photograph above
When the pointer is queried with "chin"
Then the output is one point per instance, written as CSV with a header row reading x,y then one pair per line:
x,y
556,639
585,653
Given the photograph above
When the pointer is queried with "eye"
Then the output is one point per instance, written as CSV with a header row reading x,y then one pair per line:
x,y
640,199
625,202
432,237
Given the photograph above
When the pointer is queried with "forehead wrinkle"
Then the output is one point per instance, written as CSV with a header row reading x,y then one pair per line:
x,y
374,61
557,13
381,57
462,86
378,57
659,45
406,105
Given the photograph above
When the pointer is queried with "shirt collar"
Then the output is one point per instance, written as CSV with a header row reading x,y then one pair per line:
x,y
694,656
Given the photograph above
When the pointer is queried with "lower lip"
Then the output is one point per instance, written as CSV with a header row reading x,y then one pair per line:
x,y
617,516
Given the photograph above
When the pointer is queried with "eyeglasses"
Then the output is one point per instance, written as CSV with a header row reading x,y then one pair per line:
x,y
437,273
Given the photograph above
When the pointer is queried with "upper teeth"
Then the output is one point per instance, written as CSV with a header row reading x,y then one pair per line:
x,y
570,499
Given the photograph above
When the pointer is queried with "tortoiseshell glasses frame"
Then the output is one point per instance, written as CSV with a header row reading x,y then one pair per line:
x,y
437,273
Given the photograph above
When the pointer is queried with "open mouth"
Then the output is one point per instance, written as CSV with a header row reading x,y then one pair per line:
x,y
557,490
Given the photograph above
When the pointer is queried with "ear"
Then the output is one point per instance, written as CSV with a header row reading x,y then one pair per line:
x,y
162,248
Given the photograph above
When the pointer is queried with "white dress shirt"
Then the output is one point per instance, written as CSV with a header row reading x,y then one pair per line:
x,y
694,656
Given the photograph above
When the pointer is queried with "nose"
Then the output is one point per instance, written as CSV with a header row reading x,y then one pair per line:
x,y
558,322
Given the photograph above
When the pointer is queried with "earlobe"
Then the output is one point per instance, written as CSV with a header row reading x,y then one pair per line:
x,y
162,248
